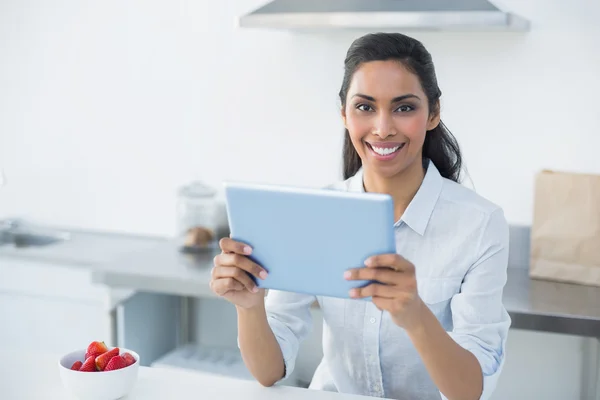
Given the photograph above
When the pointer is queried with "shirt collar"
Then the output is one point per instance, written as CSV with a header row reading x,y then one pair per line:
x,y
418,213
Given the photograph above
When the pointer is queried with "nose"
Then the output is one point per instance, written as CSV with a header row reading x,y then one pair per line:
x,y
384,126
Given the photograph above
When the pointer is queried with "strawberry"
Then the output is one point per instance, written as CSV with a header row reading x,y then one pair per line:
x,y
95,349
129,359
89,365
117,362
76,365
104,358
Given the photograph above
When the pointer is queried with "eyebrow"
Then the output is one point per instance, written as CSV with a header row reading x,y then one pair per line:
x,y
394,100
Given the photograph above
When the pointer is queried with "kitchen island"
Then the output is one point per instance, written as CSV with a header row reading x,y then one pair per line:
x,y
554,309
532,304
143,293
129,263
35,376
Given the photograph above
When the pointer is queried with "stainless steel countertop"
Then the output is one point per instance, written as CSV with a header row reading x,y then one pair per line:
x,y
552,306
155,264
88,249
161,269
533,304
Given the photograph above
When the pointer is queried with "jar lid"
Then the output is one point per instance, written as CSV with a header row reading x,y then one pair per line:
x,y
197,189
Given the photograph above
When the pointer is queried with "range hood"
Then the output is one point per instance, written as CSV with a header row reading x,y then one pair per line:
x,y
435,15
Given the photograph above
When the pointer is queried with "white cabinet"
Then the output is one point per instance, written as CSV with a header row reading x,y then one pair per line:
x,y
49,324
51,307
56,308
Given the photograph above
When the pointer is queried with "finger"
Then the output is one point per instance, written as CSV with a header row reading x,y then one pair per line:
x,y
224,285
393,305
237,274
383,275
393,261
229,245
383,303
243,262
377,290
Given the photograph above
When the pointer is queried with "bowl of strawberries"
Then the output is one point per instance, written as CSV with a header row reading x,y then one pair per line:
x,y
99,372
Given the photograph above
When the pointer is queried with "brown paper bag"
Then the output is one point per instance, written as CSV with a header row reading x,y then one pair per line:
x,y
565,233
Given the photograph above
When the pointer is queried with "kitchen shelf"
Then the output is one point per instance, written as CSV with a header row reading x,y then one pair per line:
x,y
224,361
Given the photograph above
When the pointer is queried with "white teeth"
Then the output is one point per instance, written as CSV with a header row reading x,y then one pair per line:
x,y
385,152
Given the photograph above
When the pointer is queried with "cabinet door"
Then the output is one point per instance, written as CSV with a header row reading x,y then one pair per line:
x,y
36,278
50,324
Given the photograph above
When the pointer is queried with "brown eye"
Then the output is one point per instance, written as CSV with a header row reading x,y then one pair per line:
x,y
405,108
364,107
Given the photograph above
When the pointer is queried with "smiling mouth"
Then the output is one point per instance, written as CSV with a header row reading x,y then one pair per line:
x,y
386,150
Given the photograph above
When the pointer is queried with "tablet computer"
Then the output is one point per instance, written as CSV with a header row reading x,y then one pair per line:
x,y
307,238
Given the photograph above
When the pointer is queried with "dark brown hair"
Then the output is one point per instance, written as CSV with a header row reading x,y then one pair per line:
x,y
440,146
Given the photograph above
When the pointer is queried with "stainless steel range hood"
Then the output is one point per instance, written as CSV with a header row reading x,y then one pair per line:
x,y
435,15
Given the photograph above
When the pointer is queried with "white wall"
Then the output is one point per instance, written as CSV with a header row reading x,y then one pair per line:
x,y
107,106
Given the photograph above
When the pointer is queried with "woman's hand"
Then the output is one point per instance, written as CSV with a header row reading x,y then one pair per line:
x,y
230,278
397,291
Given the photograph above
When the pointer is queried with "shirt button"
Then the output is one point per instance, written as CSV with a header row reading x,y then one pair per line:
x,y
372,320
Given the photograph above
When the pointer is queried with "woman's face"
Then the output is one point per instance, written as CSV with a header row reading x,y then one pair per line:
x,y
387,116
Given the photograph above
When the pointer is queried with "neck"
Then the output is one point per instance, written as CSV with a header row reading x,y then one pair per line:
x,y
402,187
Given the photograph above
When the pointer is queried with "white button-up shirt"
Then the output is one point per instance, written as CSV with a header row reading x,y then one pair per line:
x,y
458,242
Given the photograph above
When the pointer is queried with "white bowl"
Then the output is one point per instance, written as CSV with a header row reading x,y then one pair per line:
x,y
99,385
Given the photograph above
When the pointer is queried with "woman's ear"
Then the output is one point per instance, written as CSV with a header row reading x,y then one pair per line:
x,y
434,117
343,113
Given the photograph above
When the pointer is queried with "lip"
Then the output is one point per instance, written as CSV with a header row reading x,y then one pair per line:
x,y
386,145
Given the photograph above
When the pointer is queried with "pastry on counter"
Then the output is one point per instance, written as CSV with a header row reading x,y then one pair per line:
x,y
198,238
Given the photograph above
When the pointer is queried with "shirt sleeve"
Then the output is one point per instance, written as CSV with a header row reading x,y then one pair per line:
x,y
290,320
481,323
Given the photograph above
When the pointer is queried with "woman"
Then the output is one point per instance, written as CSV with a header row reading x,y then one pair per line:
x,y
436,327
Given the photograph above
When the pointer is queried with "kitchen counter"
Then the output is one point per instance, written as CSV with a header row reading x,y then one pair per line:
x,y
549,306
36,376
162,269
533,304
82,248
155,264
